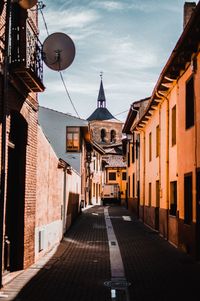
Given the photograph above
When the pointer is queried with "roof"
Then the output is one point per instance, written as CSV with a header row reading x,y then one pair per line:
x,y
101,114
186,46
134,108
101,101
53,124
114,161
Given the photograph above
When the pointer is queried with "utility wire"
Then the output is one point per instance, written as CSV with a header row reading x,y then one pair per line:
x,y
121,113
45,24
61,76
40,7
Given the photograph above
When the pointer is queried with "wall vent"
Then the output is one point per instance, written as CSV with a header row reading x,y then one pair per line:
x,y
41,240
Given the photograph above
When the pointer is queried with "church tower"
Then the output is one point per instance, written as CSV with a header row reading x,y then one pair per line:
x,y
105,128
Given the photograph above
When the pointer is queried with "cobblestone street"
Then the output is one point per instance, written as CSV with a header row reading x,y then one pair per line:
x,y
83,264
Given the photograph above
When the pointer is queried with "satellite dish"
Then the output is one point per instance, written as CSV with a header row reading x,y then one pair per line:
x,y
58,51
26,4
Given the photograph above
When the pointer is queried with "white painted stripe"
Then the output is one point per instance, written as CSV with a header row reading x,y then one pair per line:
x,y
126,218
117,267
116,264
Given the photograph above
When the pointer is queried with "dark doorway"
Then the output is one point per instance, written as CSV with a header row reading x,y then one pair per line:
x,y
14,218
157,205
198,213
138,199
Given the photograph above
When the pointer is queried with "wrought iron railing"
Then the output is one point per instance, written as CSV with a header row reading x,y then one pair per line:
x,y
26,50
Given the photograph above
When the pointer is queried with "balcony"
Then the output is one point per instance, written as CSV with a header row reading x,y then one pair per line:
x,y
26,57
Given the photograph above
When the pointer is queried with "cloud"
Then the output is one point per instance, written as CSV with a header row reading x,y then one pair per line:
x,y
71,19
109,5
126,53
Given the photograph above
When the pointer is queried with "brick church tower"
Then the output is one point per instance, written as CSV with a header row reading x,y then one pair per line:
x,y
105,129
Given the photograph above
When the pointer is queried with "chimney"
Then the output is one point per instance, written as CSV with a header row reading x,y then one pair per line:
x,y
189,7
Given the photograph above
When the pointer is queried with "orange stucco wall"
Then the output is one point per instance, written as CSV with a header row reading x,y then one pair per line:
x,y
49,196
188,139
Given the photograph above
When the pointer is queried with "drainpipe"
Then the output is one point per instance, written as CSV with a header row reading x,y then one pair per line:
x,y
159,167
64,201
167,169
144,167
144,171
167,161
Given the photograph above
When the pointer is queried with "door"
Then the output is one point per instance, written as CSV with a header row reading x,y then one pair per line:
x,y
157,205
14,211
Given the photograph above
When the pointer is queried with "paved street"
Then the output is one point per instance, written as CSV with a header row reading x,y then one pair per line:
x,y
87,264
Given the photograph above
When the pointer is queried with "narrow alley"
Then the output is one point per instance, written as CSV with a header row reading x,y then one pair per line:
x,y
88,264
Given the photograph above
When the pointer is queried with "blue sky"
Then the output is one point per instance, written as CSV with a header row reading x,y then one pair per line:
x,y
130,41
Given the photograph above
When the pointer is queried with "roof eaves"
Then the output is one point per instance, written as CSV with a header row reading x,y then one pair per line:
x,y
178,53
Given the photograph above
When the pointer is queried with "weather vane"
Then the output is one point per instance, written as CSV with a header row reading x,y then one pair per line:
x,y
101,74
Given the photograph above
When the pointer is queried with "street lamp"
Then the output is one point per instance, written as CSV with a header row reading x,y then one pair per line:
x,y
26,4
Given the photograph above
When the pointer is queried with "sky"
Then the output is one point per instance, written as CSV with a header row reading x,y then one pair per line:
x,y
128,40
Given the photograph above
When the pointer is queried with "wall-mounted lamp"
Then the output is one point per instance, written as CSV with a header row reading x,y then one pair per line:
x,y
129,136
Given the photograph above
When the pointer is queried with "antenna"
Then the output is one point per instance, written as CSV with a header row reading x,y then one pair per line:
x,y
58,51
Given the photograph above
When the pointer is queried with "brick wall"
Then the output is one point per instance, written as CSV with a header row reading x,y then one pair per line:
x,y
97,126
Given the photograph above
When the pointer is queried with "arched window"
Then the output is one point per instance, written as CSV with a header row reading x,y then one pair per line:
x,y
91,134
103,135
113,136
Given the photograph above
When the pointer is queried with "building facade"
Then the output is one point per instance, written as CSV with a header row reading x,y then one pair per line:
x,y
19,106
106,131
169,145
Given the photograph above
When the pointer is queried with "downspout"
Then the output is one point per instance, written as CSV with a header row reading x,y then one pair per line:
x,y
159,167
167,163
167,167
144,167
64,200
136,171
144,171
194,70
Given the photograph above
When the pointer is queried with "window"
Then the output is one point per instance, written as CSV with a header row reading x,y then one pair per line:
x,y
149,194
73,139
174,125
113,136
138,191
91,134
93,189
137,146
133,185
157,141
150,146
128,156
133,154
188,198
112,176
189,106
133,149
173,198
124,176
103,135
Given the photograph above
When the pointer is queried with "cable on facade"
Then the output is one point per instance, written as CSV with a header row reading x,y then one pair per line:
x,y
40,7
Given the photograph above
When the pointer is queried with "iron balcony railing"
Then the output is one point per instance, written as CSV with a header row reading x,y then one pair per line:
x,y
26,57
